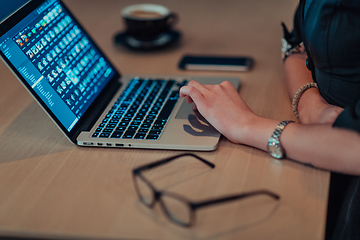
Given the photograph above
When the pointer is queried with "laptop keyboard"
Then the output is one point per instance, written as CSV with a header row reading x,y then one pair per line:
x,y
141,111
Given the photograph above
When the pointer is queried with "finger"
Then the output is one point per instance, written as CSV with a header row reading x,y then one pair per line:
x,y
229,88
189,99
193,93
224,87
201,88
224,84
182,92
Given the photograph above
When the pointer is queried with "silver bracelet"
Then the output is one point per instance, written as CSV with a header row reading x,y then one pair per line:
x,y
274,147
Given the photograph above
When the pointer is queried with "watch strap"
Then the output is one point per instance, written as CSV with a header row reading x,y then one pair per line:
x,y
274,140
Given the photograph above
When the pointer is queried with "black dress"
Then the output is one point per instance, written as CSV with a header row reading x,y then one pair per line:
x,y
330,31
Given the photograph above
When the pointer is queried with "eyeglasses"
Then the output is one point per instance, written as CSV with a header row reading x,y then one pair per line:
x,y
178,209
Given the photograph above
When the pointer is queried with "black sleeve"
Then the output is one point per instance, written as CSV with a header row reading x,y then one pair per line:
x,y
293,37
350,117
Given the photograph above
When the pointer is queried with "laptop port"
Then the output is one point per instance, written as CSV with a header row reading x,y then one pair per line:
x,y
99,144
109,144
119,144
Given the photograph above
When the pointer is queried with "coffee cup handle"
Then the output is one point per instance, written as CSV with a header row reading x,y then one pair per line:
x,y
173,19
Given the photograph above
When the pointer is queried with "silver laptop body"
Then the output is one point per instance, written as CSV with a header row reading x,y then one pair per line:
x,y
77,86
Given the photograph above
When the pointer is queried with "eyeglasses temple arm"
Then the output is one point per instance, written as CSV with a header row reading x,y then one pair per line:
x,y
161,162
234,197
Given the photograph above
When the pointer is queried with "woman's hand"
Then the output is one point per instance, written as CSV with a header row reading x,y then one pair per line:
x,y
224,109
221,106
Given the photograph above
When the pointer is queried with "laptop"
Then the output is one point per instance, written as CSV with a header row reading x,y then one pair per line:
x,y
87,98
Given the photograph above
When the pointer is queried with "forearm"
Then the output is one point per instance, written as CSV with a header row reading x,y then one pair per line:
x,y
312,108
318,144
323,146
296,73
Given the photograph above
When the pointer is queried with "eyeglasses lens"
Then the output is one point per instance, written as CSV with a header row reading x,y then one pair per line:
x,y
177,209
144,191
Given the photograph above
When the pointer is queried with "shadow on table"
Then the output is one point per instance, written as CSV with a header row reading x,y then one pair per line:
x,y
232,220
31,134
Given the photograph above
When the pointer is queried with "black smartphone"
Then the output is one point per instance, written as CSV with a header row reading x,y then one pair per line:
x,y
216,63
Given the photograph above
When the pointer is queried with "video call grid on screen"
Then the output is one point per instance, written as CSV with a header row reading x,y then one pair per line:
x,y
57,60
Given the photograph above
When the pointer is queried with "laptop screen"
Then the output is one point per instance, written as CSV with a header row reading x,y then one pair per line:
x,y
57,60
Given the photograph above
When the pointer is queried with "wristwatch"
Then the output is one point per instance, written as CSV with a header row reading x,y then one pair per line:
x,y
274,147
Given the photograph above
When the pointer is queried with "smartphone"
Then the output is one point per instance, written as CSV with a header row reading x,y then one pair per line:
x,y
216,63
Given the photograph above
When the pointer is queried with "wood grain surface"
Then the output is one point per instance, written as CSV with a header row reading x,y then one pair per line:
x,y
52,188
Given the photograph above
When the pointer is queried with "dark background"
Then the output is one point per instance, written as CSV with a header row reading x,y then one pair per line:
x,y
9,6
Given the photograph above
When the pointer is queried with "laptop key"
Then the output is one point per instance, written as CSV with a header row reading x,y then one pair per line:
x,y
117,134
155,132
148,121
132,127
169,105
120,128
129,134
123,124
104,135
126,120
143,130
145,125
140,136
114,121
107,130
156,128
150,117
160,122
111,125
152,137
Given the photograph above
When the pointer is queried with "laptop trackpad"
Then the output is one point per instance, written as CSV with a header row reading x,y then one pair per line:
x,y
197,126
185,110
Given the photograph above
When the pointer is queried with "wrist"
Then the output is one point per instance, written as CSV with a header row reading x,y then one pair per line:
x,y
309,104
299,94
274,147
258,132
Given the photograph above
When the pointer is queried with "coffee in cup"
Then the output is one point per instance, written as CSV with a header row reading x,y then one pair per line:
x,y
141,14
148,20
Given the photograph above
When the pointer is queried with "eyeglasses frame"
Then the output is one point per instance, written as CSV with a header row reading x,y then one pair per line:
x,y
193,206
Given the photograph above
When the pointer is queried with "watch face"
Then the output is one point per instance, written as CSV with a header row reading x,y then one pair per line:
x,y
275,150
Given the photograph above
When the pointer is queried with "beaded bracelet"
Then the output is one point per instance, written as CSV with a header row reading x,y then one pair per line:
x,y
298,94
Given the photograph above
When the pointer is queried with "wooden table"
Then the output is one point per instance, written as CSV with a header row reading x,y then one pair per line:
x,y
52,188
